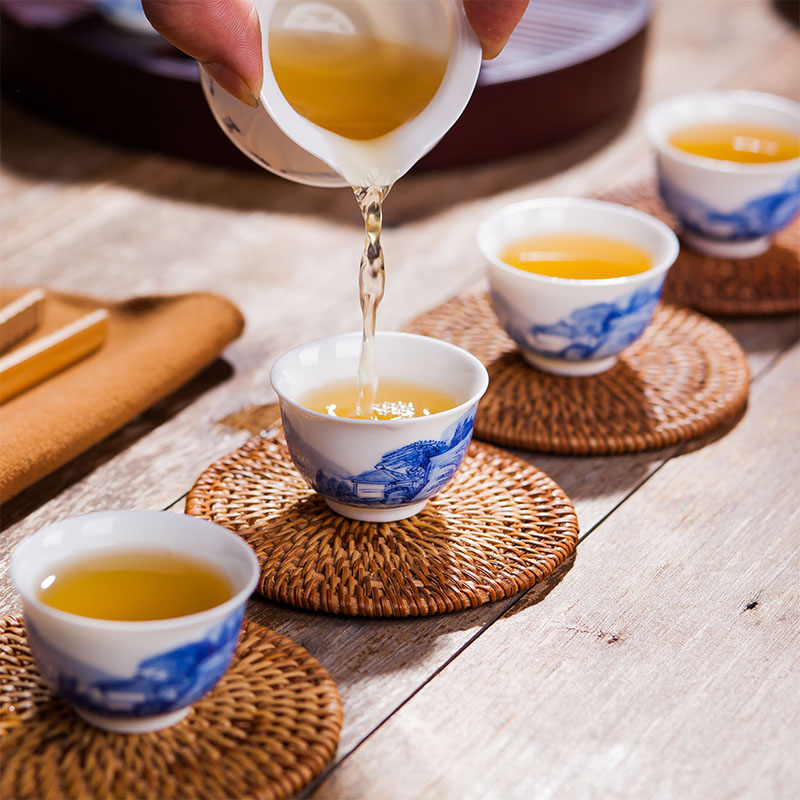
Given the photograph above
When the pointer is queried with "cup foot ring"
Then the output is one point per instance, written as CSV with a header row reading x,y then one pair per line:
x,y
134,724
742,248
557,366
376,514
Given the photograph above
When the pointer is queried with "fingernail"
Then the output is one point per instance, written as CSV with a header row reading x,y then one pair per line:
x,y
231,82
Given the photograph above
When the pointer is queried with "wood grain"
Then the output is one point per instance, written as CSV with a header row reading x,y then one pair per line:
x,y
693,695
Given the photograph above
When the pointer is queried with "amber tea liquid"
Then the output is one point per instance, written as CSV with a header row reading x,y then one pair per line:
x,y
137,585
371,285
740,142
357,86
394,399
576,256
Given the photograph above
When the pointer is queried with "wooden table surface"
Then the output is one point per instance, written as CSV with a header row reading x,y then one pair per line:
x,y
663,661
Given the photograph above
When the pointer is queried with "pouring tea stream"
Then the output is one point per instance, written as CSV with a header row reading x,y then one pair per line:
x,y
354,93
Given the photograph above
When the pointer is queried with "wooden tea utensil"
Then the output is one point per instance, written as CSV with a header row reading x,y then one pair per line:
x,y
43,357
20,318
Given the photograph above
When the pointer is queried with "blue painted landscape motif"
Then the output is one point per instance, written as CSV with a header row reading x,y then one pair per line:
x,y
162,683
756,218
595,331
406,475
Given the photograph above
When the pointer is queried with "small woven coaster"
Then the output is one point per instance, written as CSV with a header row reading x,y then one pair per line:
x,y
265,731
765,284
498,528
684,377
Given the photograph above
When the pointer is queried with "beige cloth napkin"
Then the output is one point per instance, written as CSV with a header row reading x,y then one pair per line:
x,y
154,345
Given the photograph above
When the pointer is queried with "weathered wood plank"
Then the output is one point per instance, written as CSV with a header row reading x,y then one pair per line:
x,y
666,663
126,224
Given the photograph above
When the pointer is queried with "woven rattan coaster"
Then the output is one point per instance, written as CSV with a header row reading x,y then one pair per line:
x,y
684,377
498,528
265,731
765,284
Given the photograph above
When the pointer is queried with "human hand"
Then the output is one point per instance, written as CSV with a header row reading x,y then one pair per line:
x,y
224,35
494,21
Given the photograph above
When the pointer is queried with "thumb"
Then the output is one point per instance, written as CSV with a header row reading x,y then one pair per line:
x,y
223,35
494,21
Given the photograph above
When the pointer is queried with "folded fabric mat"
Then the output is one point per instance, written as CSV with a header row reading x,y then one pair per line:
x,y
154,345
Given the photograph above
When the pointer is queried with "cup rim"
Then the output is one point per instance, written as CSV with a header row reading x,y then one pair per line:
x,y
640,217
132,626
473,360
657,132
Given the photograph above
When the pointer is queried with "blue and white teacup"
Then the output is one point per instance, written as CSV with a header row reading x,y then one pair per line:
x,y
377,470
726,209
574,326
133,677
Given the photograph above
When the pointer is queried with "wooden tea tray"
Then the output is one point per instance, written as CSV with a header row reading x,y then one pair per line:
x,y
579,60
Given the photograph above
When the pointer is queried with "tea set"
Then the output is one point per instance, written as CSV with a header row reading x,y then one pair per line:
x,y
135,676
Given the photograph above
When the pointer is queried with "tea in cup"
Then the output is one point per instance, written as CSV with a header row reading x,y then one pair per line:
x,y
728,167
386,463
133,616
575,281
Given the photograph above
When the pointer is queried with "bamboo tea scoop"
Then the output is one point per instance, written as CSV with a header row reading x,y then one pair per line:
x,y
20,318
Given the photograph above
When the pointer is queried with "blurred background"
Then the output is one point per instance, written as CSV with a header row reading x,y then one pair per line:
x,y
98,66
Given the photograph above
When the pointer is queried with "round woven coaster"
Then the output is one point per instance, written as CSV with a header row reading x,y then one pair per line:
x,y
498,528
766,284
265,731
681,379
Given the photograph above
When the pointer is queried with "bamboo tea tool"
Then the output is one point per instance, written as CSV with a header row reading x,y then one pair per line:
x,y
20,318
43,357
